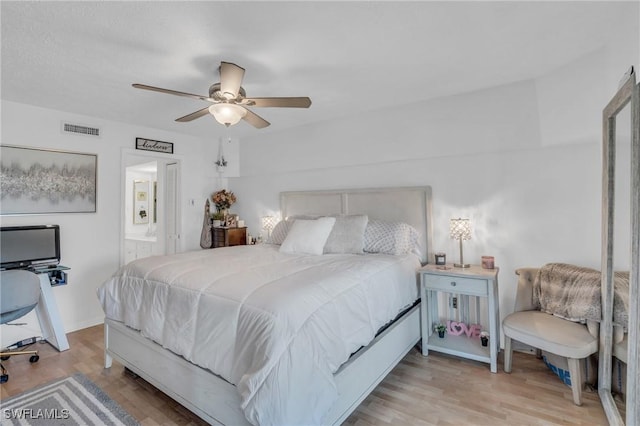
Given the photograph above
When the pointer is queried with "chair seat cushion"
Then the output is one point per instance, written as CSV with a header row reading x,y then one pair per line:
x,y
550,333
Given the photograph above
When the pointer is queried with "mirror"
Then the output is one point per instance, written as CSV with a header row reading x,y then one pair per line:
x,y
618,357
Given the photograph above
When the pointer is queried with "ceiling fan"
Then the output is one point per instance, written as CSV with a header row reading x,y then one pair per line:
x,y
229,100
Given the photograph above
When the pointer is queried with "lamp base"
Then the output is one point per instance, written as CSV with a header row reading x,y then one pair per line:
x,y
461,265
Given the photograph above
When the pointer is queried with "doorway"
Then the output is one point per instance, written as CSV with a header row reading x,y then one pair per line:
x,y
150,214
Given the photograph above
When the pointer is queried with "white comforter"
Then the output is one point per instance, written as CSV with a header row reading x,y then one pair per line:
x,y
275,325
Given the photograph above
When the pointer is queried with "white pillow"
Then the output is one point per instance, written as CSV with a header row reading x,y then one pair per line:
x,y
282,228
308,236
347,235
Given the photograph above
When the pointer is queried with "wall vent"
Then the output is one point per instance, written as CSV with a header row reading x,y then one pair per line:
x,y
80,129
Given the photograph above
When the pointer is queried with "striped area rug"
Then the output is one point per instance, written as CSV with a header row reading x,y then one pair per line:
x,y
75,400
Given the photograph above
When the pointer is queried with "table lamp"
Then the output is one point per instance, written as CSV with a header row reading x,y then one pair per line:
x,y
460,230
268,223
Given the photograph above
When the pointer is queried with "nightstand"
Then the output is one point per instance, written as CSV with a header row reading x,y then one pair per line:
x,y
226,237
464,288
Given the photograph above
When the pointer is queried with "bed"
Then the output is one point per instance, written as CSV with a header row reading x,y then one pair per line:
x,y
261,379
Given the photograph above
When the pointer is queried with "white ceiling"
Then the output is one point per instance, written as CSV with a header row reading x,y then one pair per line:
x,y
348,57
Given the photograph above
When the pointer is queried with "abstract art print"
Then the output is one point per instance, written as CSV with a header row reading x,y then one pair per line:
x,y
40,181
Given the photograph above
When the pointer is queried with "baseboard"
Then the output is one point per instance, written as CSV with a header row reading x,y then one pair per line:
x,y
85,324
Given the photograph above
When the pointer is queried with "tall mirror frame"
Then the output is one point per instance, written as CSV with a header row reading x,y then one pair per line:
x,y
629,93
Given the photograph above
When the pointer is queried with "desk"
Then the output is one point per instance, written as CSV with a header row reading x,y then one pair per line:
x,y
47,308
464,282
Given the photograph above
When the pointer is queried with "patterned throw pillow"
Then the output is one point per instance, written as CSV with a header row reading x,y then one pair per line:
x,y
279,232
391,238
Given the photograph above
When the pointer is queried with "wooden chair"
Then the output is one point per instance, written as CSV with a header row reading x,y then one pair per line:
x,y
546,332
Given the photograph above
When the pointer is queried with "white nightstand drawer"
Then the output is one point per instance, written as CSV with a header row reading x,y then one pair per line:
x,y
476,287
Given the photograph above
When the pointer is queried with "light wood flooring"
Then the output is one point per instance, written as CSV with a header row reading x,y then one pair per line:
x,y
436,390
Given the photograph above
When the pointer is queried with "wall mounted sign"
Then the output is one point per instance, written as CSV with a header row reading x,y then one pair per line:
x,y
156,146
38,181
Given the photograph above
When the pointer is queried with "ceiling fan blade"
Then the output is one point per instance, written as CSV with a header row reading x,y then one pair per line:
x,y
193,115
300,102
231,76
255,120
173,92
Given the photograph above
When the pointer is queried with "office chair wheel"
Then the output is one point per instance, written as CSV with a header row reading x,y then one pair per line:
x,y
34,358
5,357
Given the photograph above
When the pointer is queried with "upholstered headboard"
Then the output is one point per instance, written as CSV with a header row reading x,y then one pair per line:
x,y
411,205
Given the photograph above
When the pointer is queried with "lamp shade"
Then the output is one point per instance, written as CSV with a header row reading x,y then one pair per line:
x,y
227,114
460,229
268,222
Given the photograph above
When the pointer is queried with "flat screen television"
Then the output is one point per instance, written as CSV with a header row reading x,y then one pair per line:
x,y
29,246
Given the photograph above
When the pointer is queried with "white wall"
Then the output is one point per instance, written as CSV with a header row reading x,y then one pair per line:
x,y
522,161
90,242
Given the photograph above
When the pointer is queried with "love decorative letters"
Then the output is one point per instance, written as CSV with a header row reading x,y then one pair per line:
x,y
458,328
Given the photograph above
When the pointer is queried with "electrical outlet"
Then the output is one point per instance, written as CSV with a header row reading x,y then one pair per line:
x,y
454,302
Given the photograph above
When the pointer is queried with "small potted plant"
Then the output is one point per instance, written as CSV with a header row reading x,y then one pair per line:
x,y
484,338
217,218
441,329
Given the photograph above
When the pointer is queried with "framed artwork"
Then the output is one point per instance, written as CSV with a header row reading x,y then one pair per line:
x,y
232,220
140,202
41,181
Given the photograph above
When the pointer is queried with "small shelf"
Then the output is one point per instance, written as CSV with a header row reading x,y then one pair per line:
x,y
460,346
57,275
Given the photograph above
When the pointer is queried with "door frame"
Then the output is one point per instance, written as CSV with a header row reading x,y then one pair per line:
x,y
178,211
162,160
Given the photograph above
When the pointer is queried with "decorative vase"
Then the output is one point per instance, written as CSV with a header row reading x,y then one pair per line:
x,y
216,223
441,334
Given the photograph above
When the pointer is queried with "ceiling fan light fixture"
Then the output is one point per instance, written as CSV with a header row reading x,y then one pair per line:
x,y
229,99
227,114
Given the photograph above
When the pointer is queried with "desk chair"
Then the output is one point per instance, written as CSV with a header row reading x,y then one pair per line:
x,y
19,294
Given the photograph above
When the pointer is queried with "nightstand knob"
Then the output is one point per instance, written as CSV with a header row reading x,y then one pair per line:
x,y
453,283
